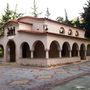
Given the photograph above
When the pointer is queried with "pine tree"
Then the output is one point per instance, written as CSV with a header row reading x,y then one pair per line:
x,y
86,19
35,9
66,16
66,21
9,14
47,13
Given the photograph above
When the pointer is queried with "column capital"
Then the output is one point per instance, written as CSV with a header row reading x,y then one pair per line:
x,y
31,50
46,49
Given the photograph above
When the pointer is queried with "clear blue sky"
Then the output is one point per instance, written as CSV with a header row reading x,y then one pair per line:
x,y
56,7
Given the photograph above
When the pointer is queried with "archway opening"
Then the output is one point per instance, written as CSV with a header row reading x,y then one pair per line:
x,y
88,50
82,52
75,50
66,50
25,50
54,50
11,49
39,50
1,51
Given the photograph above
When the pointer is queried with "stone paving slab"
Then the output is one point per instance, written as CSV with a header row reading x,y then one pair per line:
x,y
23,78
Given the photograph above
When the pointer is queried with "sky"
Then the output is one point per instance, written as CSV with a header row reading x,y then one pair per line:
x,y
56,7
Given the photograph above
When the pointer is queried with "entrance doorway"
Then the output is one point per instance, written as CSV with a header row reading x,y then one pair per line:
x,y
11,51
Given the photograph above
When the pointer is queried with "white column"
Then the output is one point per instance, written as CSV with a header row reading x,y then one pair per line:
x,y
32,54
59,53
47,54
5,54
78,53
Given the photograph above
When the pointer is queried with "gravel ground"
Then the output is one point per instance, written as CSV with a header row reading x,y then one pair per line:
x,y
28,78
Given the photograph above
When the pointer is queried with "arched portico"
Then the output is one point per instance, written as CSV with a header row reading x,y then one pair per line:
x,y
82,52
1,51
25,50
39,50
11,51
75,49
54,50
66,49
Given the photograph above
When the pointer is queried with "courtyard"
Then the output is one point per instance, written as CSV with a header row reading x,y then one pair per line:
x,y
18,77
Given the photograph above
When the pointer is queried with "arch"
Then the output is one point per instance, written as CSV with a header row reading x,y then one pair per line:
x,y
75,49
62,30
66,49
76,33
39,50
11,51
1,51
82,52
88,50
25,50
54,49
70,32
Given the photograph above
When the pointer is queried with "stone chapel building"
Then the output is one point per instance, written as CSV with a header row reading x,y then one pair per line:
x,y
42,42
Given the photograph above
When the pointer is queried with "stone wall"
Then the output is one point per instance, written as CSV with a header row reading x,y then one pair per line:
x,y
47,62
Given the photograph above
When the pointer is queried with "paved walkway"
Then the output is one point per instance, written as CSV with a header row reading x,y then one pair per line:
x,y
27,78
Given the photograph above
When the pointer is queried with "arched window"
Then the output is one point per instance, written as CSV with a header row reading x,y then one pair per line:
x,y
75,50
62,30
1,51
66,50
76,33
39,50
54,50
25,50
70,32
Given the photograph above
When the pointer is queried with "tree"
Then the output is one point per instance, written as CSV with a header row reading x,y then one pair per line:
x,y
66,17
47,13
86,19
77,23
60,19
35,9
9,14
16,15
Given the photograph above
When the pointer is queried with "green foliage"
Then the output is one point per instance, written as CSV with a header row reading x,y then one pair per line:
x,y
60,19
1,32
77,23
86,18
9,15
35,10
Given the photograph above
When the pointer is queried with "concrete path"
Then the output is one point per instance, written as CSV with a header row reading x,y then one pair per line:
x,y
28,78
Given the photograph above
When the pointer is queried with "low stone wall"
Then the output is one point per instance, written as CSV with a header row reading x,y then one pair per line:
x,y
47,62
59,61
88,57
33,62
1,59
